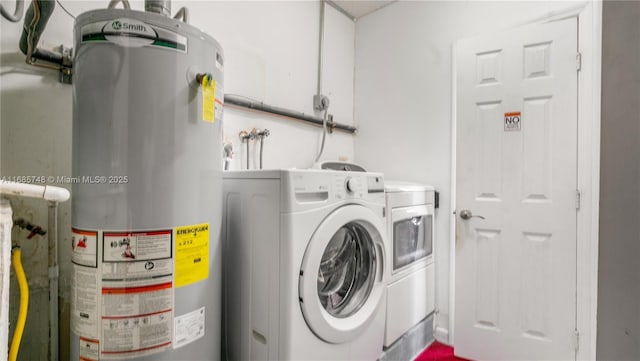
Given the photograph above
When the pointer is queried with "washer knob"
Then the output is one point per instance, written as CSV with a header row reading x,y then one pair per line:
x,y
351,184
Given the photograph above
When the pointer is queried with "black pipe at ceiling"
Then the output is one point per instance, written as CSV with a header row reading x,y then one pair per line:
x,y
260,106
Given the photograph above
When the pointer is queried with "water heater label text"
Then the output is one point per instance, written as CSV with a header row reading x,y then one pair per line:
x,y
130,26
132,34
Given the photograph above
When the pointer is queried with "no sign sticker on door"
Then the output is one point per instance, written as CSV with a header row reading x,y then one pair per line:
x,y
512,122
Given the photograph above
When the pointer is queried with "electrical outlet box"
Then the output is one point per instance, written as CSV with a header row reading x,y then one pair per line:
x,y
320,102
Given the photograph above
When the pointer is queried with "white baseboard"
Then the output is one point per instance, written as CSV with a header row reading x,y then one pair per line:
x,y
441,335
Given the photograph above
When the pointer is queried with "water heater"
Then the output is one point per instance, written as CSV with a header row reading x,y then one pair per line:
x,y
147,188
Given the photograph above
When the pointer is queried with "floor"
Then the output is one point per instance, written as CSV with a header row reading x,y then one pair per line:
x,y
438,352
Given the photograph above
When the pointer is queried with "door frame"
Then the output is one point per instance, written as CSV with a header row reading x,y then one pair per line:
x,y
589,14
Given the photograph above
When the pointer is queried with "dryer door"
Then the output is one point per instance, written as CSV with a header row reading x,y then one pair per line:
x,y
341,278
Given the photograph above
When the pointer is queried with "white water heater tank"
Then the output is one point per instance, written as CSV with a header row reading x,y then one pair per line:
x,y
147,174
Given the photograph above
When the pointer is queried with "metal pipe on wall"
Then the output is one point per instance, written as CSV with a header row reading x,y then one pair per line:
x,y
260,106
53,280
246,137
6,223
263,133
321,48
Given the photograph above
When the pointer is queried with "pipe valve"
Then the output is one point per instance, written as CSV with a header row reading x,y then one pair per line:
x,y
201,76
32,228
246,136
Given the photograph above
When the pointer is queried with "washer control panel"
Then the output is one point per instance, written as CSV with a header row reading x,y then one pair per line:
x,y
351,185
311,187
327,185
348,186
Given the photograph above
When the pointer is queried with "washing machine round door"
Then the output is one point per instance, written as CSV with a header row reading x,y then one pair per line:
x,y
341,278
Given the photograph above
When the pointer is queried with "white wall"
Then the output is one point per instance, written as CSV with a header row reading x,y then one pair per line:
x,y
271,51
403,95
271,54
619,269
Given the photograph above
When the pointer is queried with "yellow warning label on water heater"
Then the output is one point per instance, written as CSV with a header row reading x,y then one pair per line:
x,y
192,254
208,98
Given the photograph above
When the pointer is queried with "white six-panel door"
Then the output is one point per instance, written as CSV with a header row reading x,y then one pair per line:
x,y
515,285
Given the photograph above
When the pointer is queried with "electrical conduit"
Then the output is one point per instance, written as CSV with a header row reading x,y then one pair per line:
x,y
324,106
321,48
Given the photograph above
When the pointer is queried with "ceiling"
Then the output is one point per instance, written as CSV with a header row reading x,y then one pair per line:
x,y
360,8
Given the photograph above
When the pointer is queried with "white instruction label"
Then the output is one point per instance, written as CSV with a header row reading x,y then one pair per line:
x,y
123,290
84,301
189,327
137,293
219,102
89,349
135,246
136,321
84,247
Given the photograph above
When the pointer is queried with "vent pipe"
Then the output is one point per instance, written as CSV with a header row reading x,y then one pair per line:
x,y
162,7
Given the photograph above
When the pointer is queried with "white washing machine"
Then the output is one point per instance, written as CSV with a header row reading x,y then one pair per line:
x,y
304,260
411,271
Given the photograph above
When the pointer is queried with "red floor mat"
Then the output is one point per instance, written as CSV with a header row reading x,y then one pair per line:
x,y
438,352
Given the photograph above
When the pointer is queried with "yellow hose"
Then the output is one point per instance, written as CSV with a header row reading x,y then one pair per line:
x,y
24,304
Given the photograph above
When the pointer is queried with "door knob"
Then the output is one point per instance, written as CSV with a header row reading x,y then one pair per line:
x,y
466,214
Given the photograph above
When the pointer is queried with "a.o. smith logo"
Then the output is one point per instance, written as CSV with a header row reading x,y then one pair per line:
x,y
133,33
129,26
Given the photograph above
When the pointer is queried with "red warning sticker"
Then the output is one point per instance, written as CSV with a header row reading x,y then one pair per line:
x,y
512,121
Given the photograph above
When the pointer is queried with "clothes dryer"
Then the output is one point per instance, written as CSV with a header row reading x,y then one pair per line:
x,y
411,271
